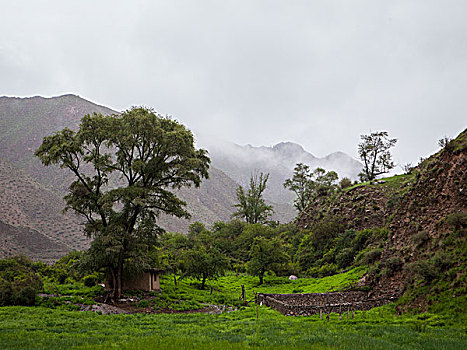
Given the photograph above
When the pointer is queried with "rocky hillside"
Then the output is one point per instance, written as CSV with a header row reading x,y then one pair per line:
x,y
425,212
25,121
16,240
26,203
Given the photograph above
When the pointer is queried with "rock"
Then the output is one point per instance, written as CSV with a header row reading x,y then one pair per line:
x,y
293,277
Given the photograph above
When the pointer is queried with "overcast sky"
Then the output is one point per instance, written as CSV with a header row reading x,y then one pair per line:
x,y
319,73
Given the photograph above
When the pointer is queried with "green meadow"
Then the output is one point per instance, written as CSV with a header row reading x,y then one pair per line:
x,y
42,328
59,327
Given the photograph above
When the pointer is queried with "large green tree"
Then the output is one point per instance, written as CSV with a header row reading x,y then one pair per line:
x,y
251,204
375,154
126,167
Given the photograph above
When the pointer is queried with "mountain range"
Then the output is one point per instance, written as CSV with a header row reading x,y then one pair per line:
x,y
240,162
31,204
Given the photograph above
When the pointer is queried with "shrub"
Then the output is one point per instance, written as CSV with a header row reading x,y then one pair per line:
x,y
19,283
6,293
327,270
457,221
441,261
424,269
446,143
90,280
326,230
361,238
19,292
369,257
345,182
392,265
345,258
26,295
420,238
143,304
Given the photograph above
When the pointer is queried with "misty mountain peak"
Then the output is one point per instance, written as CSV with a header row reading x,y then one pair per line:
x,y
288,148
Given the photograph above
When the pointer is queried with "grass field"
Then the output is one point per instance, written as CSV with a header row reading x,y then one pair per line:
x,y
41,328
49,328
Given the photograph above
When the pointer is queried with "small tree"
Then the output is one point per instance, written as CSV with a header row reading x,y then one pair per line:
x,y
375,154
203,262
308,185
169,254
251,204
264,253
446,143
301,185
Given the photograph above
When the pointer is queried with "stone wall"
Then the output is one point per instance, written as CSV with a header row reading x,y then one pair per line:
x,y
312,303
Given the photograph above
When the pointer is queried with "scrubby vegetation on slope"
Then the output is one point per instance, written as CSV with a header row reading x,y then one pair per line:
x,y
422,219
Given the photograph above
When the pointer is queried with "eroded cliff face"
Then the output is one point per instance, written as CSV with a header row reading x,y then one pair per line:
x,y
414,208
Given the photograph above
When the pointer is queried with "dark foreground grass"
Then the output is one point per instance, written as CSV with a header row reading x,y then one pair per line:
x,y
42,328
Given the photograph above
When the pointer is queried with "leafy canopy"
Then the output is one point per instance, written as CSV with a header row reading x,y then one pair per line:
x,y
126,167
264,254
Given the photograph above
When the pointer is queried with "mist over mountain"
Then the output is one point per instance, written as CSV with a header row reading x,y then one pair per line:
x,y
240,162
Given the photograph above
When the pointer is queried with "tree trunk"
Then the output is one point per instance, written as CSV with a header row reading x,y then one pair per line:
x,y
175,280
261,275
119,279
203,282
113,272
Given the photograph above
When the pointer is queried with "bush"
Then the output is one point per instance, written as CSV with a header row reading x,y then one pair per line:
x,y
6,293
420,238
424,269
19,292
143,304
345,258
90,280
446,143
441,261
26,296
327,270
369,257
19,283
392,265
345,182
326,230
457,221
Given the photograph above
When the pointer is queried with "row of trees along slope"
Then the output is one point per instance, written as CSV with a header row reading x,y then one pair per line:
x,y
152,156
